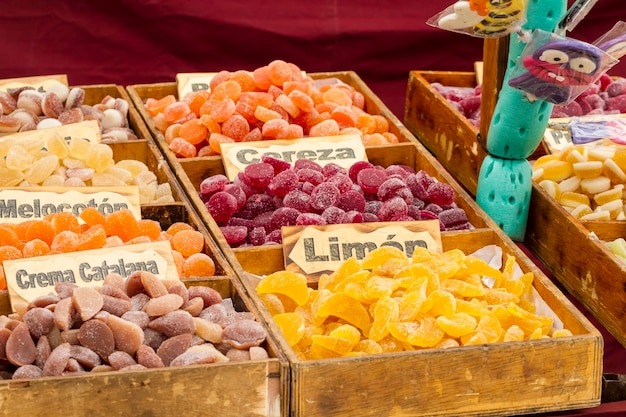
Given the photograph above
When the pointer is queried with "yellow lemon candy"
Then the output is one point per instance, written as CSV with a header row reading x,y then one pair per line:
x,y
428,334
291,326
345,307
379,256
457,325
291,284
385,310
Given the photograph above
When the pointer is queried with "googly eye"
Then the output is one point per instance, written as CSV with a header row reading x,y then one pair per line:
x,y
584,65
554,56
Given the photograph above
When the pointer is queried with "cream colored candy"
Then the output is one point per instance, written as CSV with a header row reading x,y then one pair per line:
x,y
589,169
613,171
597,215
552,188
580,211
573,200
614,208
614,193
570,185
595,185
601,153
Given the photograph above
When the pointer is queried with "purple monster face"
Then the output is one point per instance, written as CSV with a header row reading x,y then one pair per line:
x,y
565,62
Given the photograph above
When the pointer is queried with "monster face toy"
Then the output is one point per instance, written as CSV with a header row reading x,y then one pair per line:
x,y
559,70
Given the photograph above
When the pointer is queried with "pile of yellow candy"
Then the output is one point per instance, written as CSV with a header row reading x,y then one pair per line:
x,y
586,181
391,303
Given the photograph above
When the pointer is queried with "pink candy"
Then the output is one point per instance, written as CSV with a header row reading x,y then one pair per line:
x,y
271,194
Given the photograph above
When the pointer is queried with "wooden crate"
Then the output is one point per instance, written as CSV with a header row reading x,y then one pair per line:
x,y
574,252
266,259
584,266
497,379
250,388
441,128
253,388
139,93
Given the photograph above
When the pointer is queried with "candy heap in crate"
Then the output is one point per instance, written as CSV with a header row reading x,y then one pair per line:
x,y
275,101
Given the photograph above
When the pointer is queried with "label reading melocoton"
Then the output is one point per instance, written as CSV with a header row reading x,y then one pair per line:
x,y
343,150
39,83
29,278
21,204
313,250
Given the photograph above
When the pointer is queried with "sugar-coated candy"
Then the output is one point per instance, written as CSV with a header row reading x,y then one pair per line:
x,y
308,193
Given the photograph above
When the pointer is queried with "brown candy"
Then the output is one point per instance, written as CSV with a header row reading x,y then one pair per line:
x,y
208,294
244,334
120,360
56,363
51,105
174,323
39,321
87,302
147,357
127,335
20,349
98,337
173,347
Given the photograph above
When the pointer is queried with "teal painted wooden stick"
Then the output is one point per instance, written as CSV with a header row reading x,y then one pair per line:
x,y
516,129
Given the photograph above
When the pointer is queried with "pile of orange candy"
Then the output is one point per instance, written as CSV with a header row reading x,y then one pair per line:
x,y
390,303
63,232
275,101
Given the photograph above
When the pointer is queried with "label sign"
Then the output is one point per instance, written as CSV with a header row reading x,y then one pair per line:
x,y
30,278
559,133
32,203
193,81
343,150
313,250
39,83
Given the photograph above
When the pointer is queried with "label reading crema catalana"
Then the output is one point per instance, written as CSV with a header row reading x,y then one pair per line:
x,y
343,150
313,250
20,204
33,277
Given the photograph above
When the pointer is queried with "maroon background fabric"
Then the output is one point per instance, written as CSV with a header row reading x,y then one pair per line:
x,y
146,41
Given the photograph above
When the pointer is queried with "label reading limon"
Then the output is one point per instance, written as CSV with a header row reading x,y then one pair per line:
x,y
39,83
313,250
38,139
193,81
343,150
30,278
33,203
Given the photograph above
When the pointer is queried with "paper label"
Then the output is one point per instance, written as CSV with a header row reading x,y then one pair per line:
x,y
39,83
343,150
313,250
30,278
32,139
193,81
20,204
587,130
